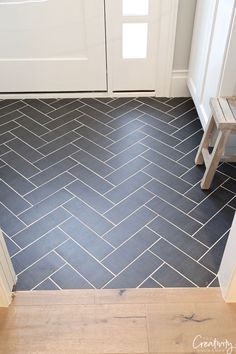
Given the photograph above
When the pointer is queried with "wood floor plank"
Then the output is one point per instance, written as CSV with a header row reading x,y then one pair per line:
x,y
127,321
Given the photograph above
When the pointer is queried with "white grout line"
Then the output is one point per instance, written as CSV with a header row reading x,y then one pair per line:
x,y
213,245
40,258
127,217
43,185
176,270
66,263
200,204
134,260
129,239
53,228
46,278
88,252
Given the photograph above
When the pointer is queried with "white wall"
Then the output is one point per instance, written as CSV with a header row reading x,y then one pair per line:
x,y
185,22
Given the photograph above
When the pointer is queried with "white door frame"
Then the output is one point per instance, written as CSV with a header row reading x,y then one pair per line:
x,y
7,275
166,48
227,271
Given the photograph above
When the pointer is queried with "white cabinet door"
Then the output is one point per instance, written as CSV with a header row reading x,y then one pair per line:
x,y
212,40
52,45
133,31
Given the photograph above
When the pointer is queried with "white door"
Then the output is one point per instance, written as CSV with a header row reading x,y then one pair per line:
x,y
52,45
133,30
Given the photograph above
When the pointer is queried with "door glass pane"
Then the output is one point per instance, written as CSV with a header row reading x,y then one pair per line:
x,y
135,40
135,7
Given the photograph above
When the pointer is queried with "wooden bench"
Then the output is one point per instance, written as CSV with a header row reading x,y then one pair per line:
x,y
223,122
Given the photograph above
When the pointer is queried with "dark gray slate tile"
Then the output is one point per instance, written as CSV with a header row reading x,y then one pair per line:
x,y
56,156
125,119
169,195
62,111
98,104
41,227
175,216
11,246
91,179
11,106
210,206
12,200
68,278
120,133
24,150
155,113
117,112
94,113
178,238
38,249
10,224
182,108
93,149
158,124
127,187
129,226
128,205
39,105
46,206
160,135
88,216
6,137
66,118
136,273
86,238
39,271
167,178
95,125
212,231
126,142
162,148
126,171
19,164
32,125
164,162
182,263
169,278
61,130
53,171
28,137
49,188
47,285
91,162
198,195
213,257
154,103
15,180
89,196
39,117
126,155
10,117
150,283
59,143
86,265
130,250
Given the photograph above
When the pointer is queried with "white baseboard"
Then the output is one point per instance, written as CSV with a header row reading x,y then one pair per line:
x,y
179,86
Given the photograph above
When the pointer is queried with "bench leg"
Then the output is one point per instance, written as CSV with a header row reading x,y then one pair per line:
x,y
215,157
205,141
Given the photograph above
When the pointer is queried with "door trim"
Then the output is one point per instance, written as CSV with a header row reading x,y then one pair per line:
x,y
166,48
7,274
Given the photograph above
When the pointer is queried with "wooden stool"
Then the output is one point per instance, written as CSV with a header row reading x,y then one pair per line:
x,y
223,120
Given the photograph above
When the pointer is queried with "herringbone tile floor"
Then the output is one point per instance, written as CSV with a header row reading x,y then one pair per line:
x,y
104,193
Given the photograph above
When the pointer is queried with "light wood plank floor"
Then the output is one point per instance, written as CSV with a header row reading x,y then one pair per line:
x,y
116,321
